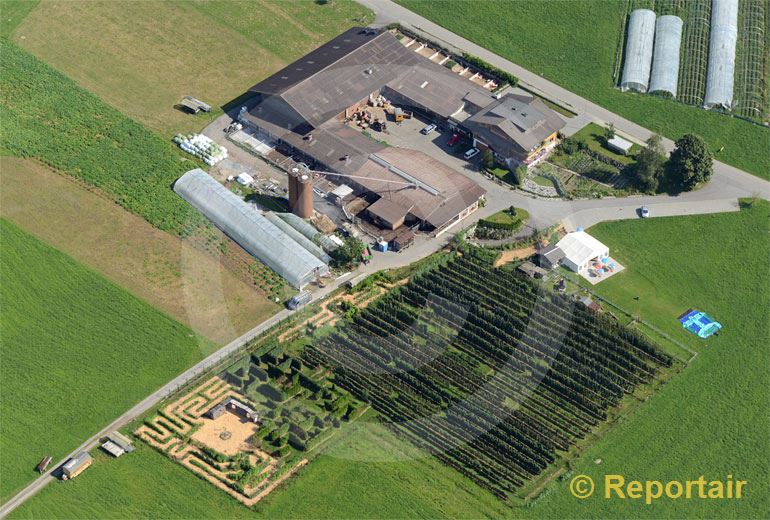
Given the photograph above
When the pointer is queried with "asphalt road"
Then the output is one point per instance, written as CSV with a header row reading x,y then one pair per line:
x,y
721,194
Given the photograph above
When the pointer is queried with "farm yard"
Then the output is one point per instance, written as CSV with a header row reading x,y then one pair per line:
x,y
77,351
465,382
147,55
189,285
567,43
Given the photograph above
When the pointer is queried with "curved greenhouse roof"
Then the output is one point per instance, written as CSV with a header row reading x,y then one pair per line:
x,y
309,231
665,58
638,56
247,226
721,66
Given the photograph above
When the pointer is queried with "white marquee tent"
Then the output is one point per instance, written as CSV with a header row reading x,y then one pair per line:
x,y
579,249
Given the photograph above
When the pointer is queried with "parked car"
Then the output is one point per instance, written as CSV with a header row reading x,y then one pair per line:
x,y
645,212
470,154
428,129
454,139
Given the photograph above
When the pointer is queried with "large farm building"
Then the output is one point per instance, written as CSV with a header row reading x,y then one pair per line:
x,y
307,105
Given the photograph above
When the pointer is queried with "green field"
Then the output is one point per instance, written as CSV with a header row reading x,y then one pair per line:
x,y
573,43
147,55
77,351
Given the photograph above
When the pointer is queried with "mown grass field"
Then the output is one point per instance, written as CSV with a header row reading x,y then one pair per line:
x,y
146,55
191,286
77,351
573,43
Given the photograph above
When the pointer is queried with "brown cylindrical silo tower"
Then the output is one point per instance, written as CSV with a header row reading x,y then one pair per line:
x,y
292,191
303,206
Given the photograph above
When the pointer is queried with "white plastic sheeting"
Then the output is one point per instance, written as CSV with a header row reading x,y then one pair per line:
x,y
298,237
249,228
638,56
721,66
665,58
309,231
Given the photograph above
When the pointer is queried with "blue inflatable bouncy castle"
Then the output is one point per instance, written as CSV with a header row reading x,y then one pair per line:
x,y
699,323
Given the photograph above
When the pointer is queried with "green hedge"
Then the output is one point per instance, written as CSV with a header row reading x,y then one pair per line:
x,y
482,65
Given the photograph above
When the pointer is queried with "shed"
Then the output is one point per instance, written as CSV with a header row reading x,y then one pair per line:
x,y
113,449
550,257
76,465
387,213
531,270
122,441
580,249
590,304
403,239
619,145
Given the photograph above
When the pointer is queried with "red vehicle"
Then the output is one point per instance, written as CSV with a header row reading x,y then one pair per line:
x,y
453,140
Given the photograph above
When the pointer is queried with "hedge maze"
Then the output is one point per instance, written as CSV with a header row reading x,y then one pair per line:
x,y
493,375
299,409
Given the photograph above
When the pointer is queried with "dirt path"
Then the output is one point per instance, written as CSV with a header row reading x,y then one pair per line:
x,y
514,254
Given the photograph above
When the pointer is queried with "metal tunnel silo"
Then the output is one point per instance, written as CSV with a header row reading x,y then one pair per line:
x,y
638,55
665,58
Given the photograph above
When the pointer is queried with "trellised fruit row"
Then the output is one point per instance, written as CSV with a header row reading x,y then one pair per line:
x,y
486,370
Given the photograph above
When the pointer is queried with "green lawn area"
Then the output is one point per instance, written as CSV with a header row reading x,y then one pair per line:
x,y
147,55
712,419
77,351
573,43
542,181
505,218
593,135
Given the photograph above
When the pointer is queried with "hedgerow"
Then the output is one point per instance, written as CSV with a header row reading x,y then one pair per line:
x,y
47,116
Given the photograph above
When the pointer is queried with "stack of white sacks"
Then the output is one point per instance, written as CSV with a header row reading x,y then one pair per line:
x,y
201,146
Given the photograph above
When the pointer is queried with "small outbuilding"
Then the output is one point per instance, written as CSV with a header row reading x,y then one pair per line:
x,y
403,239
549,257
531,270
387,213
590,304
113,449
619,145
580,249
76,465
